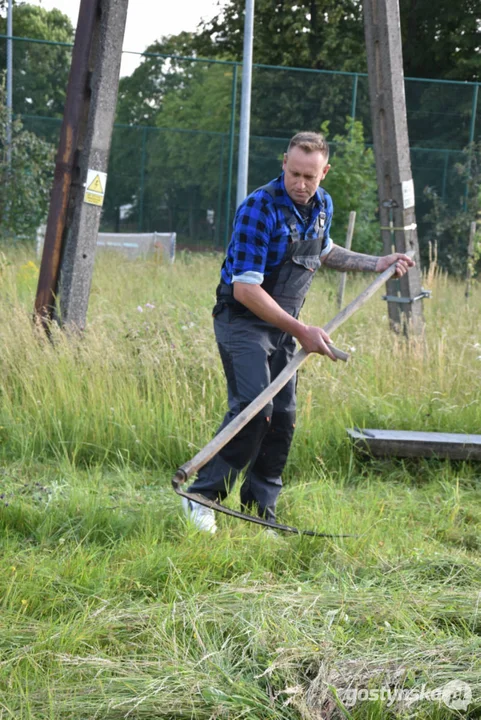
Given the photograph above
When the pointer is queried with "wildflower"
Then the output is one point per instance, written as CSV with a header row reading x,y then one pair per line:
x,y
150,306
140,308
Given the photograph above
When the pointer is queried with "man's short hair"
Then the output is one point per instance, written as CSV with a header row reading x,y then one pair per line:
x,y
310,142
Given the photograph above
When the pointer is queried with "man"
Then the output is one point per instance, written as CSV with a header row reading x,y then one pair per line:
x,y
281,237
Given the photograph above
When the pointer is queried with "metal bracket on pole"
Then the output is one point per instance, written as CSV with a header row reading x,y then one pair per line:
x,y
398,299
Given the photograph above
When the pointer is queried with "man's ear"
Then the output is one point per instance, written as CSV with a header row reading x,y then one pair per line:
x,y
325,171
284,162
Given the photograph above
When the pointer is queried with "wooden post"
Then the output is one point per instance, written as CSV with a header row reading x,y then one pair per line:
x,y
342,281
469,266
391,146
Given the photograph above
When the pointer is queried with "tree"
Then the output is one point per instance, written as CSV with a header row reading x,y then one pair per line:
x,y
141,94
318,34
329,35
442,42
40,71
164,174
26,182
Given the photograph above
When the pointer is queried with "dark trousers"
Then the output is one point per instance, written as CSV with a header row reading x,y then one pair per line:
x,y
253,353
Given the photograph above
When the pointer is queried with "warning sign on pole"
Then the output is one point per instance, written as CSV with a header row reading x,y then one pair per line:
x,y
95,187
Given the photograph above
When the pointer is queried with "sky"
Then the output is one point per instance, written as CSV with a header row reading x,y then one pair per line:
x,y
147,21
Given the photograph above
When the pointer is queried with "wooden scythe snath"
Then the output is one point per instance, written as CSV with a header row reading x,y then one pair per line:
x,y
224,436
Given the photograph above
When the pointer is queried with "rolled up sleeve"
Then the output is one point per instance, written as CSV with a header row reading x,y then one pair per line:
x,y
253,224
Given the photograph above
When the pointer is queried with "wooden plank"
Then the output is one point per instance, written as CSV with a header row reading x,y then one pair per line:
x,y
409,443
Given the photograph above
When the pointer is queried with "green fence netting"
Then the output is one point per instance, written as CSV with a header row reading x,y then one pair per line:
x,y
174,148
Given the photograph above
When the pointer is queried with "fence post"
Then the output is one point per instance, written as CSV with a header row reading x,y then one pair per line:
x,y
342,280
474,111
469,266
219,193
142,180
445,175
472,131
231,155
354,96
9,82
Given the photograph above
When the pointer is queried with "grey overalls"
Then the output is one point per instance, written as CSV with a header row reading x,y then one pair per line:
x,y
253,353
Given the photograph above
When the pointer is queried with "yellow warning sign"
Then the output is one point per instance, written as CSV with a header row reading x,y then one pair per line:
x,y
94,198
96,185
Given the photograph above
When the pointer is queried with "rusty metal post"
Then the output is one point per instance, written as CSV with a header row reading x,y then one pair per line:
x,y
73,125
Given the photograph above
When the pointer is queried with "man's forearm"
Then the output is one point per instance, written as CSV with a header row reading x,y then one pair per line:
x,y
341,259
258,301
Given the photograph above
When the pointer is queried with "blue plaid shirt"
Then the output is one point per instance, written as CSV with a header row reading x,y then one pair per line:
x,y
261,234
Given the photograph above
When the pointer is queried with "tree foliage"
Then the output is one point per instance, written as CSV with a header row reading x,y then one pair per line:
x,y
325,34
26,182
40,71
329,35
442,42
449,226
352,183
180,168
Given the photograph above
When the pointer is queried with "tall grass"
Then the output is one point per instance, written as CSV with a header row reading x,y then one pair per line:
x,y
113,607
145,385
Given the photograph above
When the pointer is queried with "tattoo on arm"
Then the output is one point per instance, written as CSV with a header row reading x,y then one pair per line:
x,y
341,259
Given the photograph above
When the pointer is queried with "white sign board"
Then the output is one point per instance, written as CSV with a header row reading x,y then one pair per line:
x,y
408,194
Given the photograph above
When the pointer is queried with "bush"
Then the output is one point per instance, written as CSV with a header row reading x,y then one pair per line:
x,y
449,225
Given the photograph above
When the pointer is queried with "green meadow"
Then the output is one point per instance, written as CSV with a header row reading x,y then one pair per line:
x,y
112,606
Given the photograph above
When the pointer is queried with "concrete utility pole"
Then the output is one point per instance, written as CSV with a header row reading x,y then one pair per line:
x,y
245,119
382,26
80,173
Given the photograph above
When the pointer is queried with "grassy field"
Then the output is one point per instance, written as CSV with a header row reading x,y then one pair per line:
x,y
113,607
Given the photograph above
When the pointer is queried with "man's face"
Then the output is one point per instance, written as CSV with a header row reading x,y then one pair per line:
x,y
303,173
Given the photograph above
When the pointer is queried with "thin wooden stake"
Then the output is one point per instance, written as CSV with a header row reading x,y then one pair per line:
x,y
342,281
469,267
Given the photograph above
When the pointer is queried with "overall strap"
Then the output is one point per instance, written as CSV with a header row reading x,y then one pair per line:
x,y
289,216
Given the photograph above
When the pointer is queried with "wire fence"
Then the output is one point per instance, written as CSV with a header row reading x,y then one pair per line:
x,y
173,162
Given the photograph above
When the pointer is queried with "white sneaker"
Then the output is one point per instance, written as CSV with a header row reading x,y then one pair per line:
x,y
270,532
202,517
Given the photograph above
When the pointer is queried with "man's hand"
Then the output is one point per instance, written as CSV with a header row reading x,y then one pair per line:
x,y
254,297
403,263
315,339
